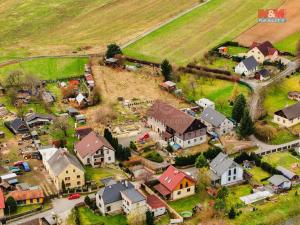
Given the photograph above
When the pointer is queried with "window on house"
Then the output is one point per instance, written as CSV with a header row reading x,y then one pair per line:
x,y
109,158
234,171
108,208
188,190
189,142
178,192
186,184
229,178
68,184
234,178
67,178
195,140
31,200
37,200
78,182
229,172
181,186
74,171
67,171
78,176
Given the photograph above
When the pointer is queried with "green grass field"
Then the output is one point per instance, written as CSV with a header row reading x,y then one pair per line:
x,y
99,173
48,68
185,204
258,173
235,192
289,44
193,34
285,159
216,90
57,26
276,97
87,217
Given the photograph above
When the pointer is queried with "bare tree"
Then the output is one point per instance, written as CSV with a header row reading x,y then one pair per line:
x,y
32,81
137,216
193,86
14,78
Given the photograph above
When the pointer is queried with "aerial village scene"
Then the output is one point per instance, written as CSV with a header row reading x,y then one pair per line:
x,y
153,112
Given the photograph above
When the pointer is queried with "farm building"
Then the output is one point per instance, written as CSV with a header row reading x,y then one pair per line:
x,y
287,173
294,95
288,116
168,85
156,205
17,126
204,103
28,197
280,183
262,75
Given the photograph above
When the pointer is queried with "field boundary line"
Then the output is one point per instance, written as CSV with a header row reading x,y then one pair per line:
x,y
164,23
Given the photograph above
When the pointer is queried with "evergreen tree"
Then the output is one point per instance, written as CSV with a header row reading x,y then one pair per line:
x,y
87,200
223,193
246,127
238,108
112,50
201,161
231,213
63,186
149,218
132,145
10,205
166,70
108,136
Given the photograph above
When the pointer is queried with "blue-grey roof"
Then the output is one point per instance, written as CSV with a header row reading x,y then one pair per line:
x,y
212,116
285,172
277,180
222,163
133,195
112,193
250,63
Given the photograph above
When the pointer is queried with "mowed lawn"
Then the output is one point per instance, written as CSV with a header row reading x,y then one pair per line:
x,y
96,174
258,173
219,91
285,159
289,44
276,97
193,34
57,26
48,68
87,217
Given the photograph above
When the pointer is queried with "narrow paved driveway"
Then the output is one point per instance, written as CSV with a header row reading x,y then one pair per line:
x,y
61,207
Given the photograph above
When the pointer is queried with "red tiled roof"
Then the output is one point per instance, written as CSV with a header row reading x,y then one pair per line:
x,y
2,203
170,116
25,195
154,202
266,48
90,144
172,177
162,189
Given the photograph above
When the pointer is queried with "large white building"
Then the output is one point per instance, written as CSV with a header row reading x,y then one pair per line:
x,y
248,67
176,126
224,171
94,150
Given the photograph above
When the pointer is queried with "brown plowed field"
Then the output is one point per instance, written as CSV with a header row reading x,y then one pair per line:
x,y
274,32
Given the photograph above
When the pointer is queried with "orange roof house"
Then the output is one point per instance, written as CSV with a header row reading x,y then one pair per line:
x,y
175,184
27,197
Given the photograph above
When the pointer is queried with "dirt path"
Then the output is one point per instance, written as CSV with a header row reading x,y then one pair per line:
x,y
274,32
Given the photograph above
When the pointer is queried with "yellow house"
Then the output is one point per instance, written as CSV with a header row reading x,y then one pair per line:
x,y
27,197
65,168
175,184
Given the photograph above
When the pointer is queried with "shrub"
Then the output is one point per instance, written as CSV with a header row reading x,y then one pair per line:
x,y
154,156
231,213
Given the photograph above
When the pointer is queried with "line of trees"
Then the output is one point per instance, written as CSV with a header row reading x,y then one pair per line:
x,y
122,153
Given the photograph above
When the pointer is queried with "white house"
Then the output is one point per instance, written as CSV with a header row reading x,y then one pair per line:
x,y
288,116
94,150
204,103
225,171
216,122
133,199
118,196
175,125
247,67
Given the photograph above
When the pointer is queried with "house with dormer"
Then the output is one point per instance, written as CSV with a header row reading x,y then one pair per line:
x,y
94,150
175,184
225,171
175,125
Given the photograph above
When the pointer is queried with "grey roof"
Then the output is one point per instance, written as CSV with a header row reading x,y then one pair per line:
x,y
212,116
35,116
222,163
285,172
61,159
277,180
17,123
72,110
250,63
108,180
133,195
112,193
290,112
